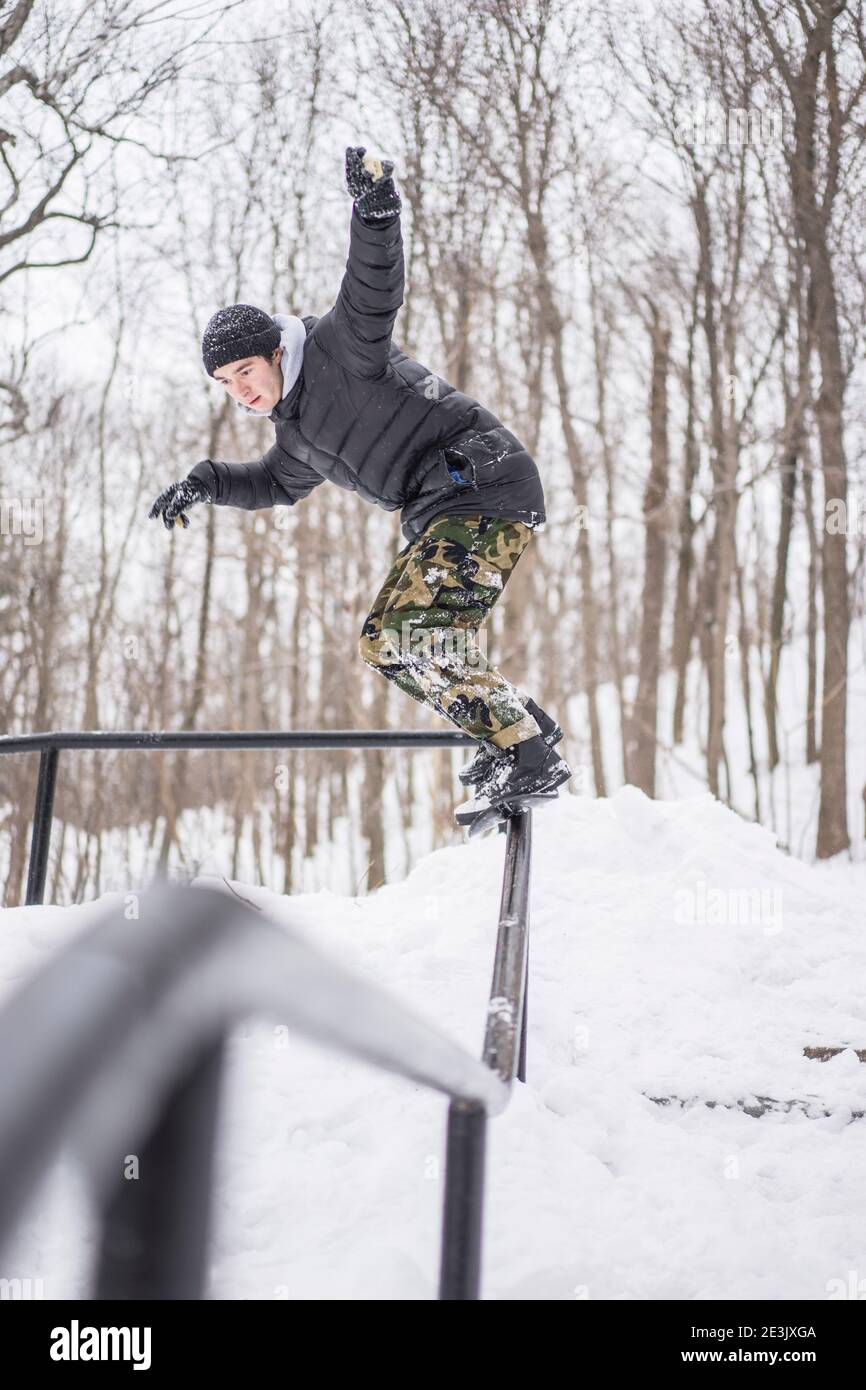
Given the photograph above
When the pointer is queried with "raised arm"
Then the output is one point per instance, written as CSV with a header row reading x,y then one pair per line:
x,y
357,331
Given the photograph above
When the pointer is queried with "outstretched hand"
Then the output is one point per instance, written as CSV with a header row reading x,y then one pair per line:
x,y
370,183
171,503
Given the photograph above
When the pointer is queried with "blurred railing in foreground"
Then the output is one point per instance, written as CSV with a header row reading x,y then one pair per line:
x,y
117,1046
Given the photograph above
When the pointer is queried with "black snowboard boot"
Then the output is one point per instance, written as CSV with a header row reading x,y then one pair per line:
x,y
535,768
489,756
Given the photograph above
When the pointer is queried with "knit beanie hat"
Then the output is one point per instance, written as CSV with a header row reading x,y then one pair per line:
x,y
239,330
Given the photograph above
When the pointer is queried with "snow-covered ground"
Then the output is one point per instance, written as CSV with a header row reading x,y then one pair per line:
x,y
675,951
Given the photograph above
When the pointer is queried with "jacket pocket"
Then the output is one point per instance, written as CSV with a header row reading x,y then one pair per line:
x,y
438,480
479,456
460,468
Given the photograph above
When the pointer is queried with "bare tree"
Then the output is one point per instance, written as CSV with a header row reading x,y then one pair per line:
x,y
641,748
825,101
77,82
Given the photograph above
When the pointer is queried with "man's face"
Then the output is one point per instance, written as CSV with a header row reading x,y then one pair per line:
x,y
255,381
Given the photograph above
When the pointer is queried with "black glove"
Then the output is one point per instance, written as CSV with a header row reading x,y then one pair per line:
x,y
370,184
177,496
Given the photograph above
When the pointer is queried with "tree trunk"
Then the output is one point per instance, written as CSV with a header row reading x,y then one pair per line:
x,y
812,753
641,752
555,331
684,611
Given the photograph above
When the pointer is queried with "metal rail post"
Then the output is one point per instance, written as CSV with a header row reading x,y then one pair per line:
x,y
157,1224
42,816
460,1269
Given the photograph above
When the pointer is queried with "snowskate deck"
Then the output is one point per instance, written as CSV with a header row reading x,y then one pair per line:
x,y
478,821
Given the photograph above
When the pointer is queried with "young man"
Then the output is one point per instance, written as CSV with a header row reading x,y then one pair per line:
x,y
350,407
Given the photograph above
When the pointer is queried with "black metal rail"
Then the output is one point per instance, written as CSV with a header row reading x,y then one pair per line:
x,y
50,746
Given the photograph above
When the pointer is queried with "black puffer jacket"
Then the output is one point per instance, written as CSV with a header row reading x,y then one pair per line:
x,y
367,417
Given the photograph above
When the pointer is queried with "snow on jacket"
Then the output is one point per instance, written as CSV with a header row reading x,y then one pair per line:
x,y
364,415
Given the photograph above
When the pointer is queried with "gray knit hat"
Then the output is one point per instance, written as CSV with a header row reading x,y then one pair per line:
x,y
239,330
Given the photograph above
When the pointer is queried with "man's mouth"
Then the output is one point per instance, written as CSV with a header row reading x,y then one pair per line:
x,y
258,398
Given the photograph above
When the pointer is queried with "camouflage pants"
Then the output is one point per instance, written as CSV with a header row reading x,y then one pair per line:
x,y
422,631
